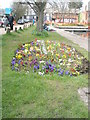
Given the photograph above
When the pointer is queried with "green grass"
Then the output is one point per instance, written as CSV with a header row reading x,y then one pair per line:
x,y
32,96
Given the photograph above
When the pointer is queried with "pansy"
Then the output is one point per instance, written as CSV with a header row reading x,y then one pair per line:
x,y
67,72
26,51
61,73
19,61
57,55
47,71
37,55
31,48
13,62
41,62
41,73
48,56
69,49
64,56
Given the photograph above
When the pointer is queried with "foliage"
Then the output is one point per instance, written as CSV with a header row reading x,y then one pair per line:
x,y
44,33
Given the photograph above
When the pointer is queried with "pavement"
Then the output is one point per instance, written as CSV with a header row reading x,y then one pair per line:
x,y
81,41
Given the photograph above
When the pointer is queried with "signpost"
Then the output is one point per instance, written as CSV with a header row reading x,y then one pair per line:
x,y
8,11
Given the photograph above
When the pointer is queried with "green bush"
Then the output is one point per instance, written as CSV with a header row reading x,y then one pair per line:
x,y
43,33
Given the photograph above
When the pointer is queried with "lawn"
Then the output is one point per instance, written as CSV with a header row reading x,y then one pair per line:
x,y
34,96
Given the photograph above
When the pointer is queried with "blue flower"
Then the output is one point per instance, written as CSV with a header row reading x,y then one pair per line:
x,y
61,72
19,61
13,62
67,72
38,66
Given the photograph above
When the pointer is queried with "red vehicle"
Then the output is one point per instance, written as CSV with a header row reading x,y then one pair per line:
x,y
1,22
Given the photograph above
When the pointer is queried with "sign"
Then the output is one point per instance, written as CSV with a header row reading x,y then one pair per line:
x,y
8,10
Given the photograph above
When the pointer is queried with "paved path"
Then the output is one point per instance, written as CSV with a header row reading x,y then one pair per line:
x,y
82,42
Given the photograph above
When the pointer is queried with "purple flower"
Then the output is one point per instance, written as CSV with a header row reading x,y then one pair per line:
x,y
61,72
13,59
13,62
38,66
50,65
31,63
19,61
17,51
46,63
26,63
32,43
67,72
55,69
35,67
71,74
22,48
34,51
12,67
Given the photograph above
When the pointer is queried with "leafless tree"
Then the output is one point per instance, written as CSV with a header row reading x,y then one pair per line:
x,y
60,6
18,9
38,7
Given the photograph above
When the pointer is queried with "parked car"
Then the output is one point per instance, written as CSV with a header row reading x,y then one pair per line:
x,y
20,21
26,21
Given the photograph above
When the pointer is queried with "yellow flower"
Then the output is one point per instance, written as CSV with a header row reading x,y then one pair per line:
x,y
37,55
68,48
59,44
77,73
64,56
18,56
57,55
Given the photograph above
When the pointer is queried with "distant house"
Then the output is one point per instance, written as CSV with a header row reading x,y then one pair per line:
x,y
85,16
66,17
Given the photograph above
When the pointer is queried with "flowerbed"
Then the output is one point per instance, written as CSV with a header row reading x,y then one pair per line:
x,y
49,57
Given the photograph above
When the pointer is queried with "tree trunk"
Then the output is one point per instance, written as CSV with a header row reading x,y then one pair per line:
x,y
40,21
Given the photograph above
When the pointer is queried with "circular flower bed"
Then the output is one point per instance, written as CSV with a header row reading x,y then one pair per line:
x,y
47,57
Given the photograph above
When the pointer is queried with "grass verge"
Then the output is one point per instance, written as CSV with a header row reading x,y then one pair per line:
x,y
33,96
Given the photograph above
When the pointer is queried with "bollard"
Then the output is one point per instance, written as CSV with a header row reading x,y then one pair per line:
x,y
15,29
23,26
8,30
20,28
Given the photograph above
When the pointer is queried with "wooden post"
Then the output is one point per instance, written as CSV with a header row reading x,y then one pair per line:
x,y
15,29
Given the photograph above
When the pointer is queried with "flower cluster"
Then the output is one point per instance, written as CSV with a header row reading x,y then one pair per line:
x,y
47,58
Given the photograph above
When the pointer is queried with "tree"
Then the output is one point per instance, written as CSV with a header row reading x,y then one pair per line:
x,y
18,9
38,7
60,6
75,5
